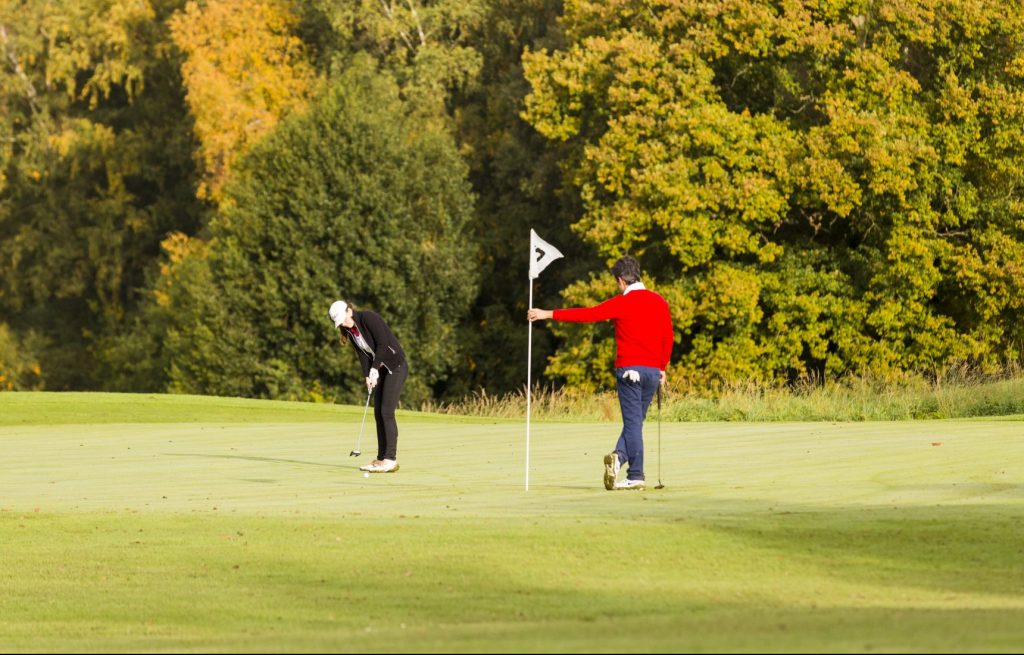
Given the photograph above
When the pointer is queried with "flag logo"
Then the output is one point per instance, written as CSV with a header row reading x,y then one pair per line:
x,y
542,253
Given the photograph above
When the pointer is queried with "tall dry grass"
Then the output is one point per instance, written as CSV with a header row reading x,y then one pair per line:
x,y
956,393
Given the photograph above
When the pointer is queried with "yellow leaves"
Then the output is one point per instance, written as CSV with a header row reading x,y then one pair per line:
x,y
736,239
176,246
870,76
586,360
62,142
82,141
83,50
729,294
893,166
560,84
19,368
833,184
178,249
885,138
912,252
956,100
94,46
992,272
245,70
749,27
1015,67
634,61
868,149
691,239
669,154
760,198
682,305
628,75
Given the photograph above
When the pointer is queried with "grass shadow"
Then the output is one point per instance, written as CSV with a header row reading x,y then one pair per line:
x,y
273,460
950,549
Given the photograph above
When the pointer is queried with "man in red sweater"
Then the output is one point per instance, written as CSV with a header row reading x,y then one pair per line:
x,y
643,345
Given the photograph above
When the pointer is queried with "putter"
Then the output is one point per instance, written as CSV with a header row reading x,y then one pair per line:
x,y
359,441
660,485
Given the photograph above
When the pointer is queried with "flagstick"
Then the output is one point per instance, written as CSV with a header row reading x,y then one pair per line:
x,y
545,253
529,365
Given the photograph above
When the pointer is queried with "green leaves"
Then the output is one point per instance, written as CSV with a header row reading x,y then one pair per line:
x,y
818,188
96,167
355,200
811,181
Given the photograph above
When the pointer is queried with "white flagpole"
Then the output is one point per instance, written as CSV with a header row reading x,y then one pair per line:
x,y
545,253
529,365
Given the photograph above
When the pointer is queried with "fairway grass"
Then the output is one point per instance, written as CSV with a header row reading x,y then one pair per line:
x,y
185,524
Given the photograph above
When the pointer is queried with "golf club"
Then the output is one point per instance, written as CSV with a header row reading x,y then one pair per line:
x,y
660,485
359,441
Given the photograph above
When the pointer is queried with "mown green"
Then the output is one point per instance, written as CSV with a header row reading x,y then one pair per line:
x,y
205,531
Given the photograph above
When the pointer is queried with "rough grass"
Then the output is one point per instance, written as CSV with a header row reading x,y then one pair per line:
x,y
850,400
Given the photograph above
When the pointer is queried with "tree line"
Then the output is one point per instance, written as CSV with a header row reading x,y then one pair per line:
x,y
819,188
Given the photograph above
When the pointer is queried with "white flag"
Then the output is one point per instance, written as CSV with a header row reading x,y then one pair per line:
x,y
542,253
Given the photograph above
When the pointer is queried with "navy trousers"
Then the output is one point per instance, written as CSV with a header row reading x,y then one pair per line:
x,y
634,399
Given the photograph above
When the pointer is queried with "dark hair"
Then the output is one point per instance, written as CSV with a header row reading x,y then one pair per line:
x,y
628,269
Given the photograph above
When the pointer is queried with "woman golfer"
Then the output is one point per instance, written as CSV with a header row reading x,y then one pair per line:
x,y
385,369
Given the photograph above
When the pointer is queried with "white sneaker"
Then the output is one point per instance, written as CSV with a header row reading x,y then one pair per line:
x,y
385,466
630,484
372,466
611,470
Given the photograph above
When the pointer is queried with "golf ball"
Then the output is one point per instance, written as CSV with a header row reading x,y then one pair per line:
x,y
366,475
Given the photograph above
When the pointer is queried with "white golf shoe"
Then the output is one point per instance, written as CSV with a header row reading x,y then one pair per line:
x,y
383,466
630,484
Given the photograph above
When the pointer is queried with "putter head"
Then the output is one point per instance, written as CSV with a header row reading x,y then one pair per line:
x,y
354,453
659,486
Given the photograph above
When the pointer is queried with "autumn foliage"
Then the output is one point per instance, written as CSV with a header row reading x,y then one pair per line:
x,y
818,188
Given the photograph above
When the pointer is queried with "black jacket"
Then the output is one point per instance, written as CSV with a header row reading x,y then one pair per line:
x,y
387,352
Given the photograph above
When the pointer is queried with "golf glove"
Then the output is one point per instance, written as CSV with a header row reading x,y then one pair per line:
x,y
631,375
371,380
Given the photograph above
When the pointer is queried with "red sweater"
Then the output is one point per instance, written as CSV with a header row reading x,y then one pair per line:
x,y
643,327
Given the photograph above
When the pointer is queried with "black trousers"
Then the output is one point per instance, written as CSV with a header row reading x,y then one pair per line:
x,y
385,401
